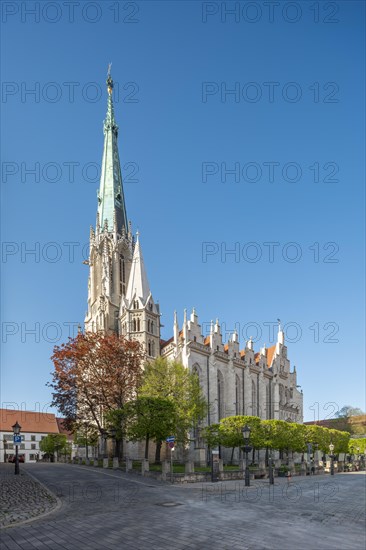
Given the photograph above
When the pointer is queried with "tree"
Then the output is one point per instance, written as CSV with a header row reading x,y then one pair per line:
x,y
357,446
347,411
172,381
53,444
86,435
94,373
228,433
150,418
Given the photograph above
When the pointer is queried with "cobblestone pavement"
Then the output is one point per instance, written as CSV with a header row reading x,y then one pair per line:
x,y
21,497
111,510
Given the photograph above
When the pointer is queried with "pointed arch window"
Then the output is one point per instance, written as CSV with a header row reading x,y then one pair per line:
x,y
138,325
237,395
254,399
220,395
122,275
148,325
134,326
152,327
149,348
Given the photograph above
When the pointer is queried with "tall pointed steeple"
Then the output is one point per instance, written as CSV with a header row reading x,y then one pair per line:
x,y
111,201
138,285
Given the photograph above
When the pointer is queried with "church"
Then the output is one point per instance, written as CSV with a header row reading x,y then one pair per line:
x,y
234,381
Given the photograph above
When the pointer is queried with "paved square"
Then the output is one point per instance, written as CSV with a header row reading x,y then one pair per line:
x,y
109,510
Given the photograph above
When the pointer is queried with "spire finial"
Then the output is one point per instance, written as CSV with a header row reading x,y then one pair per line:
x,y
109,80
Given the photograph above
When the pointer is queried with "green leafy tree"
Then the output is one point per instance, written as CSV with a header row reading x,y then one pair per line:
x,y
86,435
170,380
228,433
151,418
117,420
53,444
357,446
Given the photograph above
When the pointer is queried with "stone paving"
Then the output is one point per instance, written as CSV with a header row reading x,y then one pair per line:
x,y
21,497
110,510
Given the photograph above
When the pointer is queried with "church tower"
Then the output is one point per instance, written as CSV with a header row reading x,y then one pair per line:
x,y
119,296
139,315
111,243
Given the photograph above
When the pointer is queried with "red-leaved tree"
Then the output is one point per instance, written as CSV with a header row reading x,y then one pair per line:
x,y
94,373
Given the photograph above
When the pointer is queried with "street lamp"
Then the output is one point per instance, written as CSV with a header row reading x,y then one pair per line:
x,y
331,448
247,448
16,432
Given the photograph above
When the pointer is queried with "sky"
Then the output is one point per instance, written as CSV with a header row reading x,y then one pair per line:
x,y
242,148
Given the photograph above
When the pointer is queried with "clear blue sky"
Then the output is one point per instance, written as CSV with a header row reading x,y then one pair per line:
x,y
177,123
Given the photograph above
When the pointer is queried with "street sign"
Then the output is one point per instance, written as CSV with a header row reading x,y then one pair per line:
x,y
170,439
17,439
171,444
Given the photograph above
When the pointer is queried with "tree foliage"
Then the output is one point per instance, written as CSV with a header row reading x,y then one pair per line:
x,y
171,381
150,418
94,373
275,434
53,444
348,410
357,446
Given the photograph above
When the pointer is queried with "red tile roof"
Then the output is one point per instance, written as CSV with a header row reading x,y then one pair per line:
x,y
34,422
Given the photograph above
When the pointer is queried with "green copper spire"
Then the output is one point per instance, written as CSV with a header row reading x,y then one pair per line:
x,y
111,201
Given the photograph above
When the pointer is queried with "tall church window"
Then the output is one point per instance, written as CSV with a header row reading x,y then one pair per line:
x,y
254,399
268,404
152,327
149,348
148,325
138,325
220,395
237,395
122,274
134,325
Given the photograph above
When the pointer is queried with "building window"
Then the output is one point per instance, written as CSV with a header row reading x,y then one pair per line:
x,y
32,457
134,325
33,437
122,274
220,395
237,395
22,446
149,348
152,327
148,326
10,446
254,399
138,325
33,446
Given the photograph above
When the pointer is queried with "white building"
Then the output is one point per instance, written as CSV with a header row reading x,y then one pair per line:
x,y
234,381
34,427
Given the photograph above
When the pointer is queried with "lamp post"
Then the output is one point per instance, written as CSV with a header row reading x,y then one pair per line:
x,y
247,448
16,432
331,448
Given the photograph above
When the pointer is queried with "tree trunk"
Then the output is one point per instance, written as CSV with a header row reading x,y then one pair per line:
x,y
147,446
157,451
232,455
253,455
